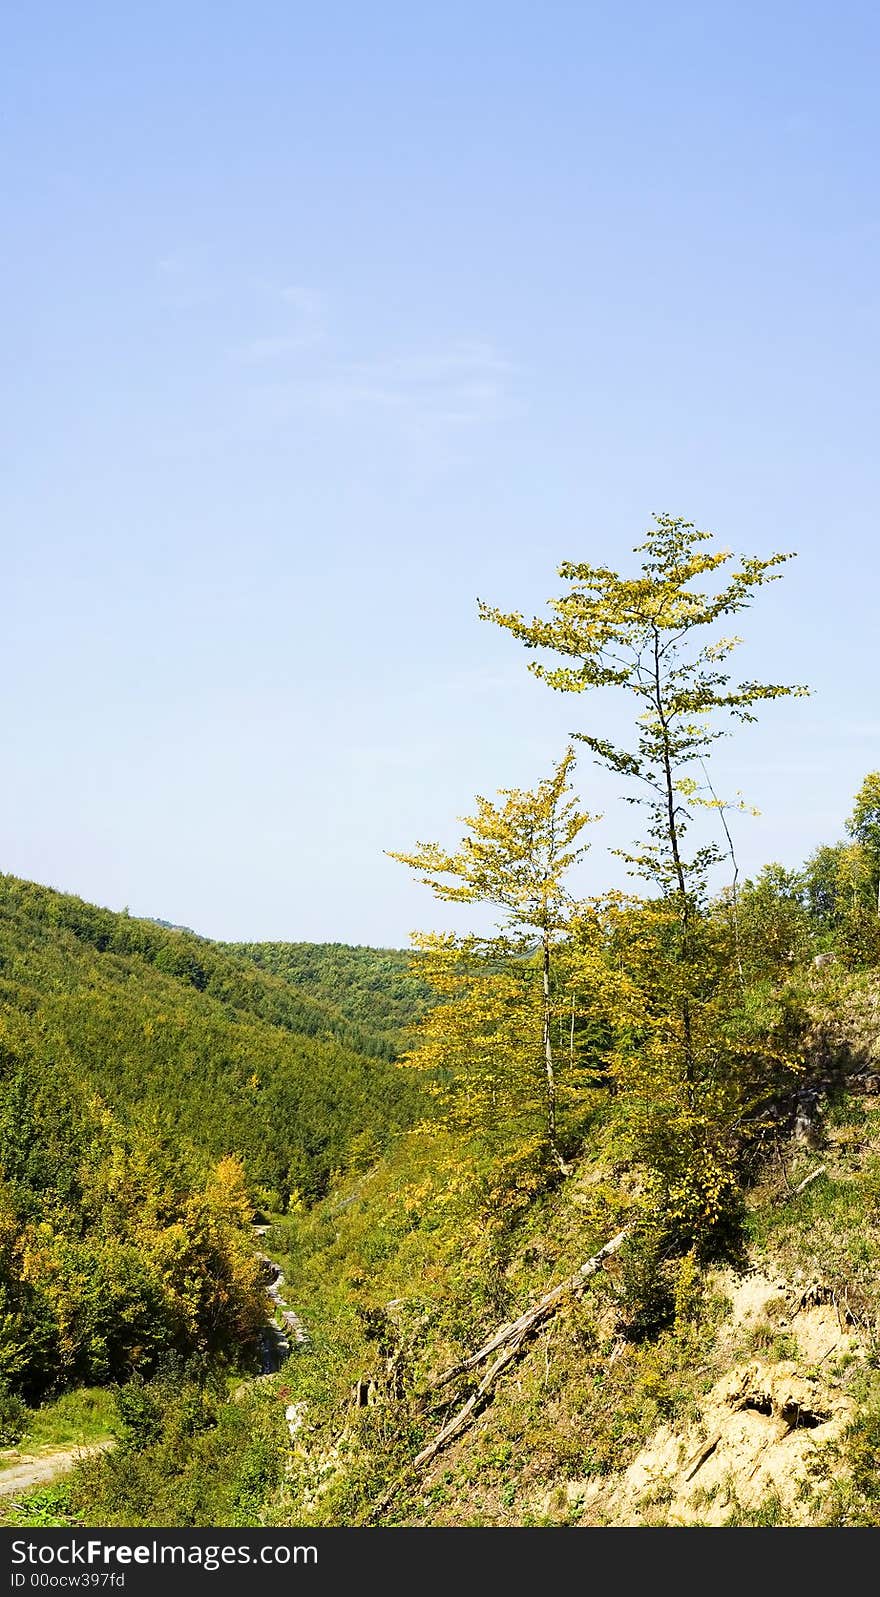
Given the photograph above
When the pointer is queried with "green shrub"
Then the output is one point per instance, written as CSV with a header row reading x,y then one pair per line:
x,y
186,1456
13,1417
646,1294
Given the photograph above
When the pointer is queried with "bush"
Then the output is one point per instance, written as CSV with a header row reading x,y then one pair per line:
x,y
139,1413
646,1295
187,1456
13,1417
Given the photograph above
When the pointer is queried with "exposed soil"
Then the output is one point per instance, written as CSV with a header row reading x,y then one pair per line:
x,y
38,1469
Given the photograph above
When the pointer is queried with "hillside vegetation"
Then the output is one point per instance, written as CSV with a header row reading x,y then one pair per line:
x,y
155,1087
184,1036
376,991
672,1390
603,1247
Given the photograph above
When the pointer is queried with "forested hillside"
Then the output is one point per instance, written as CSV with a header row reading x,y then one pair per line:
x,y
600,1249
375,990
154,1089
178,1033
119,1247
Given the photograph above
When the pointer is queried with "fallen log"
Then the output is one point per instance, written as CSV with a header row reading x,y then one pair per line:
x,y
700,1456
539,1311
802,1185
459,1421
509,1339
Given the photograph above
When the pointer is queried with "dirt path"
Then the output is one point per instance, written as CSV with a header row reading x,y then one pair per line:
x,y
38,1468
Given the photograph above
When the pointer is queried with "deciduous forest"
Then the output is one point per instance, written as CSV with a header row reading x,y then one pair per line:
x,y
574,1215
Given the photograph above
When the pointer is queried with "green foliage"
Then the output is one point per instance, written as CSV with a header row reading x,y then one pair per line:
x,y
186,1455
864,823
840,892
855,1499
13,1417
108,1258
831,1231
125,1231
514,856
769,1513
658,1286
688,1071
226,1057
49,1506
646,1293
696,1061
377,992
139,1412
493,1036
774,923
647,635
840,884
79,1416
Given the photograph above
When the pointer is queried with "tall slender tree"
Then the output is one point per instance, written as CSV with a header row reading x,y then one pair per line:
x,y
655,636
516,856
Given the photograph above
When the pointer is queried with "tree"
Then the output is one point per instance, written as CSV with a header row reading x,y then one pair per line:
x,y
516,857
774,923
864,824
653,635
842,881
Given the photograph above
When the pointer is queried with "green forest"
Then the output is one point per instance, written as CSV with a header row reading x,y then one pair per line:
x,y
567,1208
155,1090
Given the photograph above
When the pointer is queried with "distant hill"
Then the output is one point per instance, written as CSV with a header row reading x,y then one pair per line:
x,y
375,989
231,1051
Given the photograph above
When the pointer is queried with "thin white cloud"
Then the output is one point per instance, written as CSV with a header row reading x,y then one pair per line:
x,y
258,350
305,301
304,326
454,385
462,358
296,368
461,385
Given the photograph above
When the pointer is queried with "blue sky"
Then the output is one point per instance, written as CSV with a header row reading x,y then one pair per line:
x,y
320,322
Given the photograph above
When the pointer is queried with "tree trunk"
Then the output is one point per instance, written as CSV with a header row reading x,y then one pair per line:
x,y
507,1343
684,899
548,1043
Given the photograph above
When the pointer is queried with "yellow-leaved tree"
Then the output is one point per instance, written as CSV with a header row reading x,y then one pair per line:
x,y
491,1039
692,1060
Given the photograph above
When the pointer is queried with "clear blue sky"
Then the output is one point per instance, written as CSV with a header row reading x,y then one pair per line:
x,y
321,321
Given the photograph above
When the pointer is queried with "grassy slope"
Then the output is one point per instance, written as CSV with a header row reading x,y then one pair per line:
x,y
772,1364
755,1398
74,1419
206,1050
